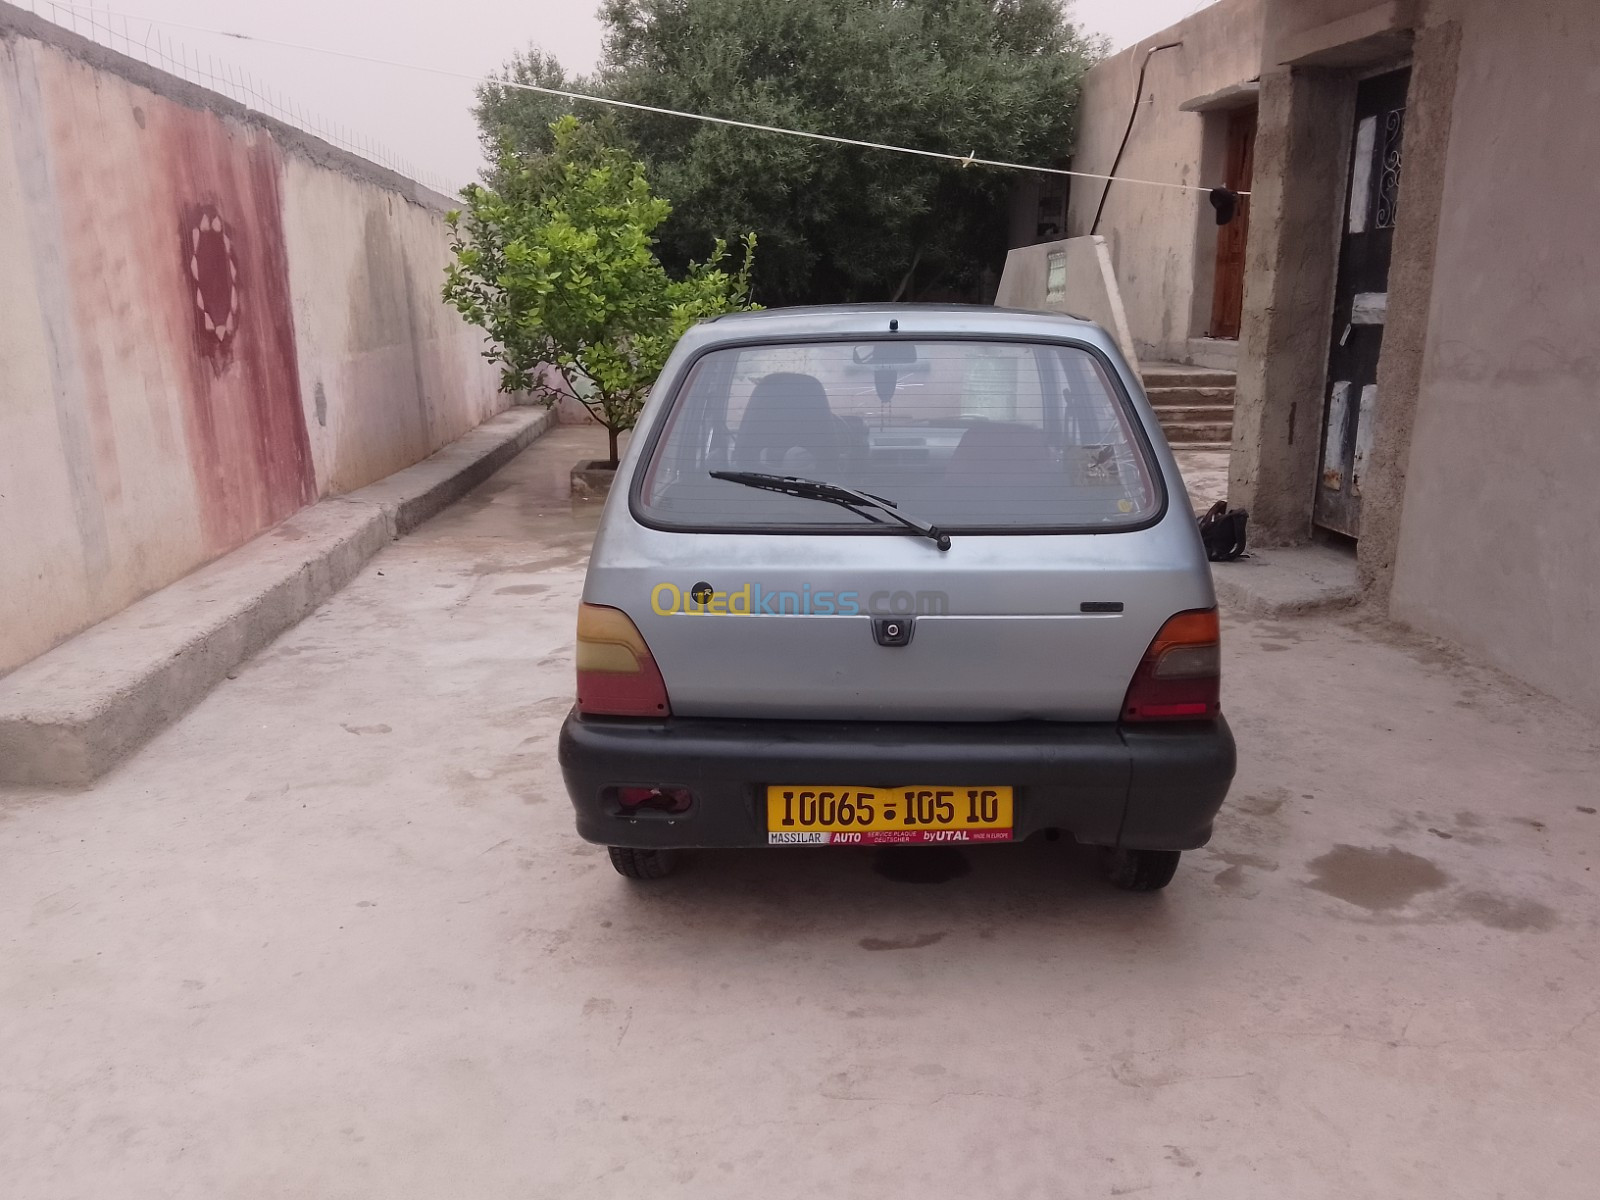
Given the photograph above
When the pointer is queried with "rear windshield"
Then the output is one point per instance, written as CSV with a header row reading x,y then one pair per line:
x,y
963,434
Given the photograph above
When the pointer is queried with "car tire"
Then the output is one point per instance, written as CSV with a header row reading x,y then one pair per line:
x,y
642,864
1140,870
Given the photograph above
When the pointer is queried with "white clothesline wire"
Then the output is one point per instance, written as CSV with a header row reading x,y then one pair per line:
x,y
966,160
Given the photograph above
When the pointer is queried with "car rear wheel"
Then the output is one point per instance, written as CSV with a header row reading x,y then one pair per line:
x,y
1139,870
642,864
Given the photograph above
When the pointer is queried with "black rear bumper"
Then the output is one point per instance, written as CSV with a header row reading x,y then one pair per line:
x,y
1148,788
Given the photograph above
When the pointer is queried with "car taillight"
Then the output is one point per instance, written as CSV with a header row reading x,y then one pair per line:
x,y
1180,676
617,677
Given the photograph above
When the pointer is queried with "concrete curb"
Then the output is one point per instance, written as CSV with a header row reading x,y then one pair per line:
x,y
71,714
1290,582
417,493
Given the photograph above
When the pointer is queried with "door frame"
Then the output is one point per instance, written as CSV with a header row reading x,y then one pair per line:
x,y
1348,146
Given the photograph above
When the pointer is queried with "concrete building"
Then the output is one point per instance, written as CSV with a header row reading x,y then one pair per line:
x,y
1181,278
1418,329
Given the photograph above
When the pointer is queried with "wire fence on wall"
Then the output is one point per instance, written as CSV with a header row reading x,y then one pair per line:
x,y
147,42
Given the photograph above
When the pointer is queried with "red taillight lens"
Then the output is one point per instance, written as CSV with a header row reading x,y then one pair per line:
x,y
1180,676
617,677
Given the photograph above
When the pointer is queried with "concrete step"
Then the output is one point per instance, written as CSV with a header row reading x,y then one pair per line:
x,y
68,716
1221,414
1288,582
1222,447
1188,433
1190,397
1176,375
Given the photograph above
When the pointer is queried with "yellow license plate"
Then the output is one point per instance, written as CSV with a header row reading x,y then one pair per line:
x,y
841,816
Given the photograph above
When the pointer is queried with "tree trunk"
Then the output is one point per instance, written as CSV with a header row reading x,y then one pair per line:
x,y
909,276
611,433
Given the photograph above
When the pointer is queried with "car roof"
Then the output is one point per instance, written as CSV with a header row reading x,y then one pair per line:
x,y
834,320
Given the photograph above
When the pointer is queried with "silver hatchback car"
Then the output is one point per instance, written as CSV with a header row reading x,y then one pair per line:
x,y
898,575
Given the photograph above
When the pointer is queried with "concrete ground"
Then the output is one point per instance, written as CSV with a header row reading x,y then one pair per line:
x,y
332,936
1206,474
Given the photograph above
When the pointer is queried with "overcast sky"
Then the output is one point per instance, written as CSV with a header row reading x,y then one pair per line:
x,y
426,117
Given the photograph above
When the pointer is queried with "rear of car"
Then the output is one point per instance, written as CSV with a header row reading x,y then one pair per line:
x,y
897,575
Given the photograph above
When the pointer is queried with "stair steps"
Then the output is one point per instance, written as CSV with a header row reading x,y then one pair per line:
x,y
1193,404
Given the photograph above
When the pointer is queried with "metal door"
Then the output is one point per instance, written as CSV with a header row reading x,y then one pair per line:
x,y
1361,301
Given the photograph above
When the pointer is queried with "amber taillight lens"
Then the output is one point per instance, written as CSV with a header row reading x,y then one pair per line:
x,y
1180,676
617,677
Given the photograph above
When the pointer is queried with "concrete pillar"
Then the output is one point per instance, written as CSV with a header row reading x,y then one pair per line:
x,y
1302,159
1429,107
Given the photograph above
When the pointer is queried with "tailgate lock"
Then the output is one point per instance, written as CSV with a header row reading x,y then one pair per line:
x,y
892,631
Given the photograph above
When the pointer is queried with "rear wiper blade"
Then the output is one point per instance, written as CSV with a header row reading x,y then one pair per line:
x,y
833,493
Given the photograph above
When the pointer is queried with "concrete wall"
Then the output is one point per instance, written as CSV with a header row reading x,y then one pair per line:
x,y
207,321
1337,33
1314,54
1497,535
1430,116
387,373
1292,264
1087,286
1161,240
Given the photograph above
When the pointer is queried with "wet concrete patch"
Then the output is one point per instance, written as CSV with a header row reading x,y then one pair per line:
x,y
1262,804
1464,831
1508,913
919,864
905,943
1236,858
561,558
1376,880
1232,877
523,589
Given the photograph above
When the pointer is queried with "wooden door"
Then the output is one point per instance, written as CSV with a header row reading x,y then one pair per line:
x,y
1361,299
1227,295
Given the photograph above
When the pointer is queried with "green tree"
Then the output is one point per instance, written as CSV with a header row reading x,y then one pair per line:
x,y
522,120
996,77
557,264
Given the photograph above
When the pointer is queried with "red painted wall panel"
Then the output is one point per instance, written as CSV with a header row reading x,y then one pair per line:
x,y
247,437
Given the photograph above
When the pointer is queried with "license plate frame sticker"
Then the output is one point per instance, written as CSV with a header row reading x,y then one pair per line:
x,y
815,815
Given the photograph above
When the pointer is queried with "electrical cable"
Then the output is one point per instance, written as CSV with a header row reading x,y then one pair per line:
x,y
966,160
1138,96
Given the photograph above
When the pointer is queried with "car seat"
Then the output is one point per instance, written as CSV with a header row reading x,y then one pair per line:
x,y
992,454
788,429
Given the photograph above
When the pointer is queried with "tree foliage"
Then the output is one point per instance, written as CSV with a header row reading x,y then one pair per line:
x,y
998,78
557,264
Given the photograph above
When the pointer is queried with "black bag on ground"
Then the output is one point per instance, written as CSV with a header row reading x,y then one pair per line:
x,y
1223,531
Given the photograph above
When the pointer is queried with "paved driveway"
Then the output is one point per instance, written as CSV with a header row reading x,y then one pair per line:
x,y
332,936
